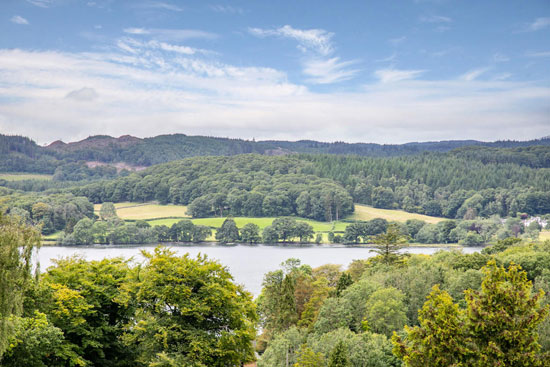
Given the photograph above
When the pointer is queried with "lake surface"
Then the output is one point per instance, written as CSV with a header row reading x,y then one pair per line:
x,y
247,264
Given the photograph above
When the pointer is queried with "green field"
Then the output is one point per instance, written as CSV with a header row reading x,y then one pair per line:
x,y
24,176
544,235
138,211
168,214
364,212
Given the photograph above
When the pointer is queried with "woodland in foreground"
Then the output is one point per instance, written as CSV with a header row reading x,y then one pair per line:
x,y
449,309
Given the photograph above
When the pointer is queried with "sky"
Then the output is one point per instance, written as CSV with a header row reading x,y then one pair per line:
x,y
356,71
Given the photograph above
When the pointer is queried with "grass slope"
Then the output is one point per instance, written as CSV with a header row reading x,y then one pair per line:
x,y
167,215
364,212
544,235
138,211
24,176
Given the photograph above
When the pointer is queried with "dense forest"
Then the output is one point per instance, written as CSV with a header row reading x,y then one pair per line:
x,y
244,185
322,186
21,154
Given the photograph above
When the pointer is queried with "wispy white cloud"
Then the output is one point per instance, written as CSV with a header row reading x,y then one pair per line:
x,y
498,57
390,58
160,5
227,9
125,47
395,75
538,54
147,94
41,3
503,76
442,28
134,46
319,62
171,34
317,40
539,23
435,19
473,74
17,19
397,40
328,71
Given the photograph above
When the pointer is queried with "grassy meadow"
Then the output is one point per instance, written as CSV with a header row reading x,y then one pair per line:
x,y
544,235
156,214
24,176
145,211
364,212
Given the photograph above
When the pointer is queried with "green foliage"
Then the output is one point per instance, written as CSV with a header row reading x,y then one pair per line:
x,y
85,301
386,311
308,358
53,212
282,349
228,232
388,244
37,343
505,315
270,235
343,282
107,211
285,228
250,233
189,312
245,185
498,328
17,242
439,339
338,357
335,313
318,238
362,231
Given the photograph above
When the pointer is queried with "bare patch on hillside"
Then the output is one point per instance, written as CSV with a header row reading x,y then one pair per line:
x,y
119,166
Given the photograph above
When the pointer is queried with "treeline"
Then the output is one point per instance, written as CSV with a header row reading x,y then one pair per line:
x,y
474,232
534,156
109,229
50,212
323,316
244,185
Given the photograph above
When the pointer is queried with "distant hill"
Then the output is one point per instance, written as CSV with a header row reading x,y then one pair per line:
x,y
21,154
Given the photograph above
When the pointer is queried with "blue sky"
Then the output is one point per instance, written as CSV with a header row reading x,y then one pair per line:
x,y
370,71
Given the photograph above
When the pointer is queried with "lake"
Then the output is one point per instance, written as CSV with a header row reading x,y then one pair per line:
x,y
247,264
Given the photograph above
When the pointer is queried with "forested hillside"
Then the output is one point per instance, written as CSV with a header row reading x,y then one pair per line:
x,y
322,186
20,154
247,185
